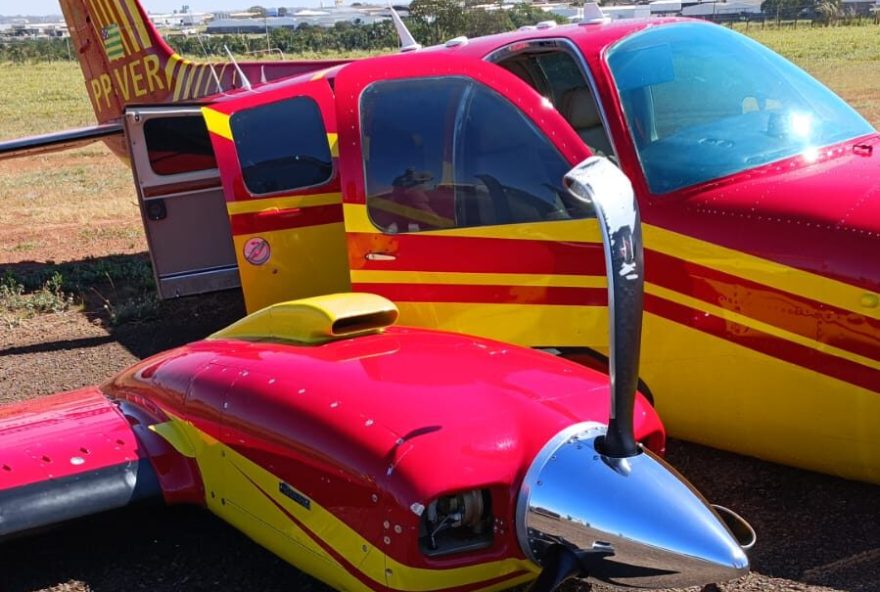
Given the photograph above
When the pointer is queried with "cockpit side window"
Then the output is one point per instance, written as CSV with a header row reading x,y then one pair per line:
x,y
554,73
450,152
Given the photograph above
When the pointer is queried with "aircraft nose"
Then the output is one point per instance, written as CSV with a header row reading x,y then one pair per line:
x,y
634,521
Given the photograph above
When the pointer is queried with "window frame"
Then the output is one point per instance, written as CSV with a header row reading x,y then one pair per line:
x,y
450,143
571,48
289,190
172,175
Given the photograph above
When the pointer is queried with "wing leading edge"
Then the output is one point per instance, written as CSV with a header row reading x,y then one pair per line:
x,y
58,141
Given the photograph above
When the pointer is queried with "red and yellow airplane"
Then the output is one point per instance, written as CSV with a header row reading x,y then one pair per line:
x,y
378,458
433,177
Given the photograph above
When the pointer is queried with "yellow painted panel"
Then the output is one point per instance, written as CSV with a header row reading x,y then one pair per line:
x,y
477,279
177,437
307,261
524,324
582,230
236,490
711,391
217,123
333,143
283,202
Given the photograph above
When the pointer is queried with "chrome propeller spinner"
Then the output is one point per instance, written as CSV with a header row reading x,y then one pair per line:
x,y
594,504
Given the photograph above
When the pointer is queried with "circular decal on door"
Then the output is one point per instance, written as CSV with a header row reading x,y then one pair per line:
x,y
257,251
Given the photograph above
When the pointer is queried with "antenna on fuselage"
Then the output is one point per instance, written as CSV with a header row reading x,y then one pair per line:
x,y
407,41
210,64
245,83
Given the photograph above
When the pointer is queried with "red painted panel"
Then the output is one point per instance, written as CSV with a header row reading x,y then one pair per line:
x,y
62,435
435,252
407,415
284,219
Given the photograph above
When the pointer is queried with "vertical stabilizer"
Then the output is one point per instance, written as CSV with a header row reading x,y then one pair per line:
x,y
126,61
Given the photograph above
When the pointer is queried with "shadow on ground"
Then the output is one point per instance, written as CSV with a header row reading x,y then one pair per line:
x,y
118,292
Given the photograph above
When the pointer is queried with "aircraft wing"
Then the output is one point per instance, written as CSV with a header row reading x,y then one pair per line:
x,y
58,141
69,455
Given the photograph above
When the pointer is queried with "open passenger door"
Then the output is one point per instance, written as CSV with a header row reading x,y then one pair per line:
x,y
277,154
455,207
181,200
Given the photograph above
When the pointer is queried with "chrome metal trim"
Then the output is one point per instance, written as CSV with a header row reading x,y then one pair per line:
x,y
530,481
598,183
198,282
662,533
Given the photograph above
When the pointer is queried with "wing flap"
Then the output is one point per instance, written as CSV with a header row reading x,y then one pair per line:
x,y
66,456
58,141
30,507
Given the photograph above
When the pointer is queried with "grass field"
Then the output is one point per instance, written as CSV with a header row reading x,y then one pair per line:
x,y
81,200
81,203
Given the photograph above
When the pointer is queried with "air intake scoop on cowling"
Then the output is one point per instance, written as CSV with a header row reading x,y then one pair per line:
x,y
315,320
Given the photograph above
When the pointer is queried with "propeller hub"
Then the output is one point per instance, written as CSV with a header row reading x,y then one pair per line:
x,y
639,523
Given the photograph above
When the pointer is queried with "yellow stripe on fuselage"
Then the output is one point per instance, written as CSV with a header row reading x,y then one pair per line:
x,y
584,230
284,202
217,123
756,269
477,279
736,263
584,281
740,319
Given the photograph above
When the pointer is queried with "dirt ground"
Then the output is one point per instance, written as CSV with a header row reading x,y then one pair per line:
x,y
815,532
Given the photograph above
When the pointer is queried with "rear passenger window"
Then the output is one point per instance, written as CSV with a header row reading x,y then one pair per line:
x,y
282,146
449,152
178,145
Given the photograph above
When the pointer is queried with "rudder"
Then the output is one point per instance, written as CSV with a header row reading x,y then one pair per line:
x,y
124,59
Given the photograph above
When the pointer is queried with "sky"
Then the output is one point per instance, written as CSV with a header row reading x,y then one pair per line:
x,y
46,7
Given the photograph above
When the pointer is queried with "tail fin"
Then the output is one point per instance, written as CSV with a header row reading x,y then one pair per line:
x,y
125,60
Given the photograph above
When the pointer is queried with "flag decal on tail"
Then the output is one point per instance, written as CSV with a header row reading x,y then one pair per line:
x,y
111,35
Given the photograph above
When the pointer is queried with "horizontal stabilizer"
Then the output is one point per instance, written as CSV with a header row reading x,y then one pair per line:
x,y
58,141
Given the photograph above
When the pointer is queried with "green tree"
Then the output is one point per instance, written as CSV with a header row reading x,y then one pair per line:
x,y
787,9
437,20
829,10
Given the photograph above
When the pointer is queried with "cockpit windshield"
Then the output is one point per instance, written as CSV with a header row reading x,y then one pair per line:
x,y
703,102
